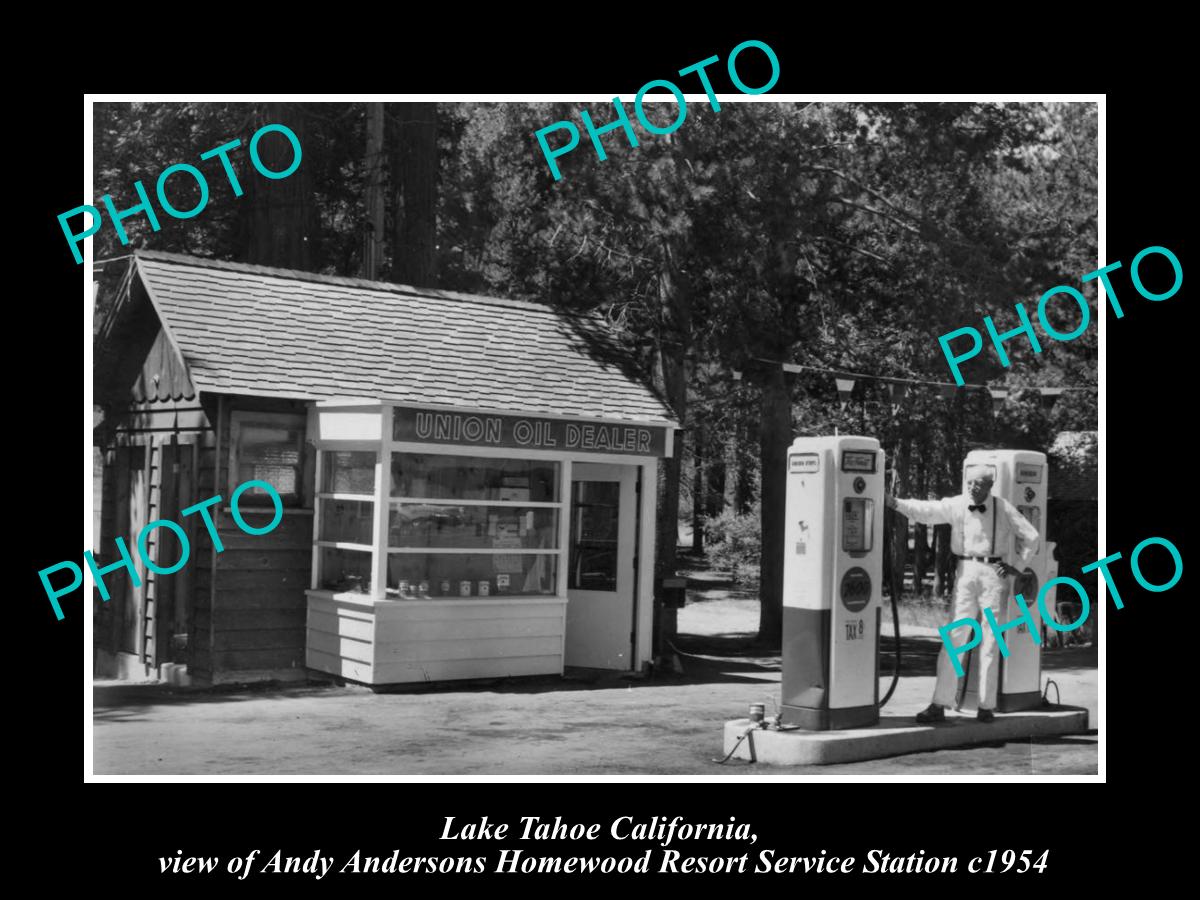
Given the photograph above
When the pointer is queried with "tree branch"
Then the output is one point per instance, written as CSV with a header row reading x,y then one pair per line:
x,y
879,212
851,247
862,187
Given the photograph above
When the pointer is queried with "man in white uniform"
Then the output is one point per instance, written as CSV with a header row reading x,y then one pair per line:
x,y
982,530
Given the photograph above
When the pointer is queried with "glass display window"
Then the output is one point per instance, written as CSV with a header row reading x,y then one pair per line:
x,y
454,526
346,520
437,476
345,570
464,526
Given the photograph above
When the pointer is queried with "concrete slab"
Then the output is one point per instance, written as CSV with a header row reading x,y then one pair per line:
x,y
895,735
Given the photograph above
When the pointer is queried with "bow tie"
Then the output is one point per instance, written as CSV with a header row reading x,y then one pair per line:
x,y
982,507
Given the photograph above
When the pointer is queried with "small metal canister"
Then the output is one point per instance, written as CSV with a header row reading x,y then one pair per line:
x,y
485,588
445,591
758,712
464,589
423,589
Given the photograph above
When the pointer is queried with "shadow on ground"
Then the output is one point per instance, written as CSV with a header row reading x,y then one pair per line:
x,y
731,658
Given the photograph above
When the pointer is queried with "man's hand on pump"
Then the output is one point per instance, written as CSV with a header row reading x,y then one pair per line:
x,y
1003,569
889,501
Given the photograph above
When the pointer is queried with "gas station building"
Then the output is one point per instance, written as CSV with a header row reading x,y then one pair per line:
x,y
468,482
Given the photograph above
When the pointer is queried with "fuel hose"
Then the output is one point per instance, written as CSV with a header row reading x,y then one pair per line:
x,y
896,664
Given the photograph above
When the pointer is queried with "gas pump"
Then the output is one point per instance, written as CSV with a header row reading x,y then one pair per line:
x,y
832,579
1021,478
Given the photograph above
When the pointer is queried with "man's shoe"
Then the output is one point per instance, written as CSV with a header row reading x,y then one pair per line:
x,y
985,716
932,713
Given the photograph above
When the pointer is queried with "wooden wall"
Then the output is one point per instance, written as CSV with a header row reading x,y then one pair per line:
x,y
158,457
251,621
242,610
393,642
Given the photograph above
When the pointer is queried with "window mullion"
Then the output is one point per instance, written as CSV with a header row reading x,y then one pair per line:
x,y
564,528
383,489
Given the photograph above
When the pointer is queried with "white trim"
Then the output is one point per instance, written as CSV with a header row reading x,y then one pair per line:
x,y
346,545
345,403
624,459
315,576
286,511
480,551
368,601
564,539
334,446
644,613
363,600
342,495
383,487
509,504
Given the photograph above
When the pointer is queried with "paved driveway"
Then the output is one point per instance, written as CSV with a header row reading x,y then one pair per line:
x,y
588,724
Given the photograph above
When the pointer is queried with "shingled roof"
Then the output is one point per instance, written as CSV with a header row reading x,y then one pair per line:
x,y
261,331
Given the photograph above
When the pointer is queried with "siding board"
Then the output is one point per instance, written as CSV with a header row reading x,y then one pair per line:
x,y
408,641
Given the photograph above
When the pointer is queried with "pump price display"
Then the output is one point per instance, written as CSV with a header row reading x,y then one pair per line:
x,y
1029,474
858,460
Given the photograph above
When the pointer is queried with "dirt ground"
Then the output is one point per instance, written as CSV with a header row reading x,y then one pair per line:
x,y
585,724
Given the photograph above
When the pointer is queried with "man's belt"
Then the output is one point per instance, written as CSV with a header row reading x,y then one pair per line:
x,y
984,559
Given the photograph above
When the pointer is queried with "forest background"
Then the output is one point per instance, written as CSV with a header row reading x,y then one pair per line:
x,y
840,237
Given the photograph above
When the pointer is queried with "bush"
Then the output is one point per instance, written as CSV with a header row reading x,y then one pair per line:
x,y
735,543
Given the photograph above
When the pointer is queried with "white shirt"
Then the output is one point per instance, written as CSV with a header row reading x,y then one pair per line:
x,y
1015,540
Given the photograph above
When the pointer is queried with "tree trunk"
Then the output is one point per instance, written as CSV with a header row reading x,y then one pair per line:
x,y
373,166
671,374
775,435
921,557
698,470
740,471
898,546
282,219
921,542
667,526
943,567
714,483
415,159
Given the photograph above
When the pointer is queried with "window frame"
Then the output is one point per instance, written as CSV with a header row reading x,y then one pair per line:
x,y
297,421
578,543
319,498
562,505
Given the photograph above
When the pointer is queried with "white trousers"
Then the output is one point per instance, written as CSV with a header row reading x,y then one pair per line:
x,y
977,586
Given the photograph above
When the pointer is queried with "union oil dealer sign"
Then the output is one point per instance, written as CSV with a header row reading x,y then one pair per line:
x,y
527,432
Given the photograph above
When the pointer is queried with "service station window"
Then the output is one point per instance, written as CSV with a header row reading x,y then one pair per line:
x,y
595,516
346,520
465,526
267,447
